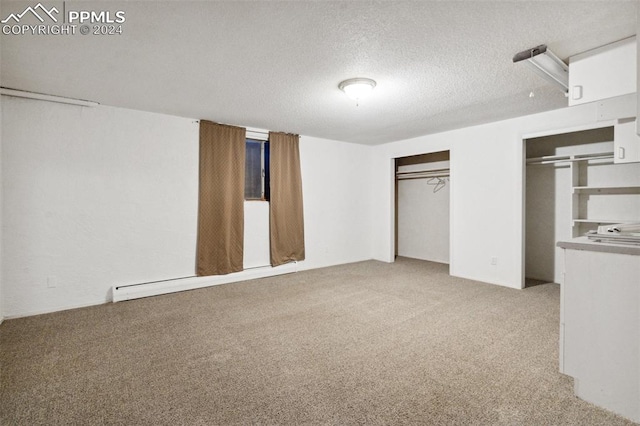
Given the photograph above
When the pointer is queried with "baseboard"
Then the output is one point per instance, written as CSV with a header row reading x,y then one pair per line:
x,y
130,292
56,309
136,291
485,280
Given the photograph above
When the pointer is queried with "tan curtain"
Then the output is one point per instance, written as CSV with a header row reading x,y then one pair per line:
x,y
221,199
285,206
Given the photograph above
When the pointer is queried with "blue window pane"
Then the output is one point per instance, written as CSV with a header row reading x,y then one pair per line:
x,y
253,171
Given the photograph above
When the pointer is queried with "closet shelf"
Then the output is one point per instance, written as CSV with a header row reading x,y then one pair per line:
x,y
606,190
609,221
421,174
552,159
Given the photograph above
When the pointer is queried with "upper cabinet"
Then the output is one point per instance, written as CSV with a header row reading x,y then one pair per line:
x,y
626,142
603,73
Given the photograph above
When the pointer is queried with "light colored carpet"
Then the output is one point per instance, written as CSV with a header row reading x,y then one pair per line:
x,y
366,343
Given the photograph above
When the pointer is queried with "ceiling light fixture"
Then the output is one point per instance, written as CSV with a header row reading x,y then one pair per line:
x,y
357,88
546,64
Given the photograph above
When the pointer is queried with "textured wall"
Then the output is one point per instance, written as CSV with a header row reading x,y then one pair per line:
x,y
1,222
101,196
94,197
338,201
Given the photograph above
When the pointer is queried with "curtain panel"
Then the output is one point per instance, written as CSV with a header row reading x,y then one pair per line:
x,y
285,206
220,241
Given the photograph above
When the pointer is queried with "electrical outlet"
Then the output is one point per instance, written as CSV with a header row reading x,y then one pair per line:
x,y
494,261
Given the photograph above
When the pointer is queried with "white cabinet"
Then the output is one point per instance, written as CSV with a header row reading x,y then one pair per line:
x,y
600,325
604,72
626,142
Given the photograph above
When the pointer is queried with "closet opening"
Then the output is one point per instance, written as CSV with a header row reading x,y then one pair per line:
x,y
422,207
572,186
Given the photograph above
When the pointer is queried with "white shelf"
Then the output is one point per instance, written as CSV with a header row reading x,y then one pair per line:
x,y
610,221
603,190
600,204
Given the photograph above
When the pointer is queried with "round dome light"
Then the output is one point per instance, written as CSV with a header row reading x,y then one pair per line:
x,y
357,88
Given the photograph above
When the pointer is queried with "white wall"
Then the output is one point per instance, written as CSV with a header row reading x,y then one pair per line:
x,y
337,207
1,222
548,220
338,201
93,197
487,176
256,234
96,197
423,216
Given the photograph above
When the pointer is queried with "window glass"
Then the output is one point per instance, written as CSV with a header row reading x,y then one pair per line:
x,y
256,180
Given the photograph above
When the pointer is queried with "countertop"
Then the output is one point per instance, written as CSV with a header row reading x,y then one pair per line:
x,y
583,243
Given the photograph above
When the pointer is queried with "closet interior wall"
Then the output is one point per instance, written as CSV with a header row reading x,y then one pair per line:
x,y
557,205
422,207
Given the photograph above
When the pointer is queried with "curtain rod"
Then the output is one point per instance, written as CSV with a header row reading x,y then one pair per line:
x,y
249,130
257,131
44,97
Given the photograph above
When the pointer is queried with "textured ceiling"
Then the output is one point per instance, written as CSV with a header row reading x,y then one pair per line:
x,y
276,65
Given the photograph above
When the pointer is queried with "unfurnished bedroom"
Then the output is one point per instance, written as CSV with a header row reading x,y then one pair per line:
x,y
328,212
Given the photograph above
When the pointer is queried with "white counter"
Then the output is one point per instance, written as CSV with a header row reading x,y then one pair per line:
x,y
584,243
600,324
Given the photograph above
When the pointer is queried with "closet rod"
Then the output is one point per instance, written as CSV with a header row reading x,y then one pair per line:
x,y
552,159
422,173
420,177
443,171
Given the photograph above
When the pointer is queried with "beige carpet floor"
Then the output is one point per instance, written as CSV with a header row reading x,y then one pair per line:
x,y
366,343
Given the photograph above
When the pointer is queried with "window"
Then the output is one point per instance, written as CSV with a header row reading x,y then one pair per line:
x,y
256,179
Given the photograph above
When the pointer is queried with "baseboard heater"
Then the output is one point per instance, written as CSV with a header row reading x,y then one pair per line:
x,y
137,291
